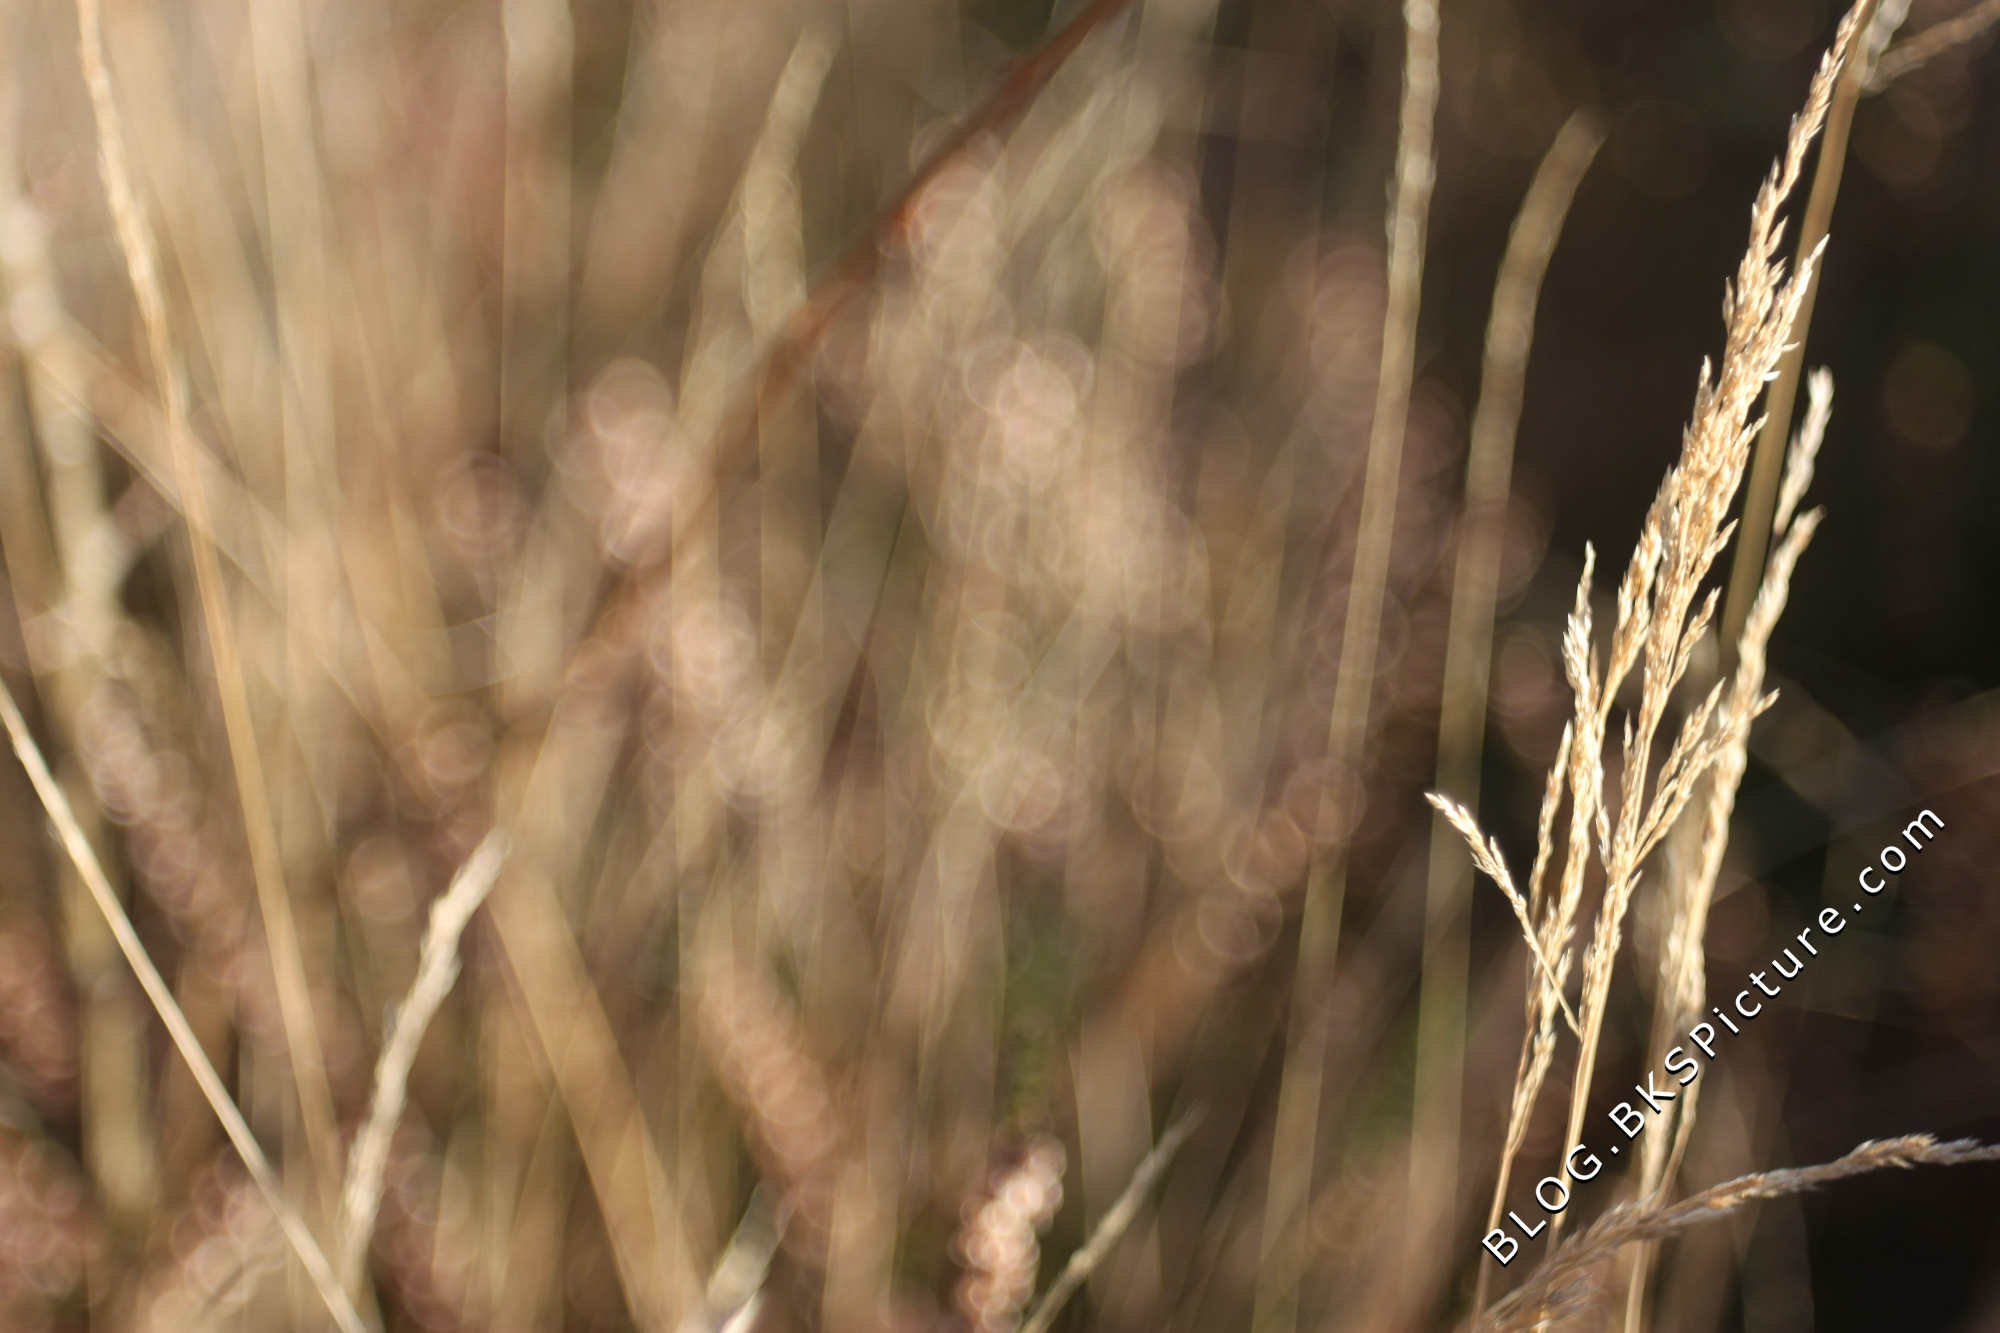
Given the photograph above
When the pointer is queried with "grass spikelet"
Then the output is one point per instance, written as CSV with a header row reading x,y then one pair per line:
x,y
1659,624
1683,971
1487,855
1685,531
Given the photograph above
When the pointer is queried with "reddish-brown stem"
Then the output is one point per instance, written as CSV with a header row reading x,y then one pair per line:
x,y
781,365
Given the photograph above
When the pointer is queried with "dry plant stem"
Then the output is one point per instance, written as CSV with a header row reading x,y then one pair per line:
x,y
858,266
567,1017
1931,43
1566,1281
80,375
274,904
1683,976
59,561
1296,1131
735,1285
778,371
437,969
1659,623
1753,540
1120,1216
1490,450
1486,855
539,53
1468,652
184,1039
1539,1040
293,237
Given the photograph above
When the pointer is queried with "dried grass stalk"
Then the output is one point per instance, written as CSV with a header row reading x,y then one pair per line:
x,y
1683,969
1658,625
437,969
1756,533
1510,331
1658,622
92,872
1486,854
1123,1211
1934,41
135,241
1347,726
1570,1279
1683,974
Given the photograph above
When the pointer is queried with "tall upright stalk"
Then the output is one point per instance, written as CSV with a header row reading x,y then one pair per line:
x,y
1754,537
1294,1141
1510,332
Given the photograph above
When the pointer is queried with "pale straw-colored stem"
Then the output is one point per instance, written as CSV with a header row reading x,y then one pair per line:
x,y
1683,973
1931,43
1294,1142
437,969
1489,471
1659,621
1753,537
1113,1225
1489,465
288,967
92,872
1539,1040
1486,855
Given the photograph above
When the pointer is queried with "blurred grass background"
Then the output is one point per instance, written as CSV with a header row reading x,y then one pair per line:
x,y
918,817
